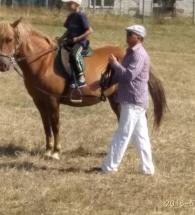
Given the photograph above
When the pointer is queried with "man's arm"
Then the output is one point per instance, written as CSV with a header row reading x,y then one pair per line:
x,y
130,72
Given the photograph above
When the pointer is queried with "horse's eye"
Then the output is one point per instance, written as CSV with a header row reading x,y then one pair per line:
x,y
8,40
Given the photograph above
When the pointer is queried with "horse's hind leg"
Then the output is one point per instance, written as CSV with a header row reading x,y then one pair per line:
x,y
47,126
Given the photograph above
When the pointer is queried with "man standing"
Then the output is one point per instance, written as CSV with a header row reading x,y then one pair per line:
x,y
132,76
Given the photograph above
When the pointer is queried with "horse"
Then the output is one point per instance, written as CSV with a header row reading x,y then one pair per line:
x,y
35,55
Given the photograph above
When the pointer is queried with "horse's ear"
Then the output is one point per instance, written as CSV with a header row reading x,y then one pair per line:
x,y
14,24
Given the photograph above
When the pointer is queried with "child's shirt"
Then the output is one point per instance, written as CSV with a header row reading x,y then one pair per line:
x,y
77,24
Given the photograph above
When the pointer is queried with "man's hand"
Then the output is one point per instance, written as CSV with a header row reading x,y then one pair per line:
x,y
112,59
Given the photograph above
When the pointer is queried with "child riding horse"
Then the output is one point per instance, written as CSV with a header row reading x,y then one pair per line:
x,y
78,29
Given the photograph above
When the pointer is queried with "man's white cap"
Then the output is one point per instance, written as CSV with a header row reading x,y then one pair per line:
x,y
137,29
75,1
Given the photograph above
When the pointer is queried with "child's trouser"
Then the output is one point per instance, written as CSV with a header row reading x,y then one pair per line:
x,y
77,59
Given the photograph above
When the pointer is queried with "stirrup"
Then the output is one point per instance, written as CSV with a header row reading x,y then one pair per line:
x,y
75,93
77,85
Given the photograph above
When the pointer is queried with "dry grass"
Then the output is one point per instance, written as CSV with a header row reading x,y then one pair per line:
x,y
31,185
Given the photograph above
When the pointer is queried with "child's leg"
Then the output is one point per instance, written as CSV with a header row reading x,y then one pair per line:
x,y
77,59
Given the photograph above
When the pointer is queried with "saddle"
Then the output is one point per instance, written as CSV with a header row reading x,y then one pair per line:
x,y
62,61
63,66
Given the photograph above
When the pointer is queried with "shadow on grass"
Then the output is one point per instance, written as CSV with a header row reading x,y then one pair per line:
x,y
25,165
11,150
31,167
81,152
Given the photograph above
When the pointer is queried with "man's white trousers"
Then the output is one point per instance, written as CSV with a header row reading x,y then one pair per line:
x,y
132,127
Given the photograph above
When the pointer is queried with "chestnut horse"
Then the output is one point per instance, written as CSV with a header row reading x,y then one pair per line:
x,y
35,55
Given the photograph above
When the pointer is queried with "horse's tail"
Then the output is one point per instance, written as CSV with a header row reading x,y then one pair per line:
x,y
157,93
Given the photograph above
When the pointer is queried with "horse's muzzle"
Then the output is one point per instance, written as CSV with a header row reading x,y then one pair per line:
x,y
4,64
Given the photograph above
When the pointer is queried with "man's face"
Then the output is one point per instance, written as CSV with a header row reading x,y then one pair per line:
x,y
133,39
72,6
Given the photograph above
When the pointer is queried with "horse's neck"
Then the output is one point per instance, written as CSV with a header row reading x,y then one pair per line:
x,y
35,46
32,55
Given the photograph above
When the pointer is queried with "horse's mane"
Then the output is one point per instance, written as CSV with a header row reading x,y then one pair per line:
x,y
23,31
5,29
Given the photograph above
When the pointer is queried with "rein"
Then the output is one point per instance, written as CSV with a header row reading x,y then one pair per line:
x,y
38,55
18,71
14,59
14,62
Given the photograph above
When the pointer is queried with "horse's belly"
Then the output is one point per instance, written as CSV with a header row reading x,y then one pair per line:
x,y
86,101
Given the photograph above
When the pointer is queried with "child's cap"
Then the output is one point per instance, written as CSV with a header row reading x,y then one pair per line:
x,y
75,1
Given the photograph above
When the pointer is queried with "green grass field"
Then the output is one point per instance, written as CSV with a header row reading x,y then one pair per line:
x,y
30,185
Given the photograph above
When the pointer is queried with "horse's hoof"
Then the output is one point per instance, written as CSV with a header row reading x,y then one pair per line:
x,y
48,154
55,156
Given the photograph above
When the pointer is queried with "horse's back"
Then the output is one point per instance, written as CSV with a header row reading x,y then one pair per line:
x,y
102,54
96,66
97,63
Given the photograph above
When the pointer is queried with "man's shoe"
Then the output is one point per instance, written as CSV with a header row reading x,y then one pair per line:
x,y
100,170
145,173
97,170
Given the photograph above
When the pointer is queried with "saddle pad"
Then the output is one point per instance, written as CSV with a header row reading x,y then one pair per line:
x,y
87,52
62,63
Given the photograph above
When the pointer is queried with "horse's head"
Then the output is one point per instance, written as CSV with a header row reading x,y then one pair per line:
x,y
8,44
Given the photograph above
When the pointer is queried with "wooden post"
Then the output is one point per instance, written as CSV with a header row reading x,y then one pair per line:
x,y
120,7
46,3
143,10
94,5
193,15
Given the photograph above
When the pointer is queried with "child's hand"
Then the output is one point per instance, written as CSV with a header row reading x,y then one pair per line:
x,y
57,38
112,59
75,39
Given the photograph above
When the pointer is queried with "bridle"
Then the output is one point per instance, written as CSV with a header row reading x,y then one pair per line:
x,y
14,60
12,57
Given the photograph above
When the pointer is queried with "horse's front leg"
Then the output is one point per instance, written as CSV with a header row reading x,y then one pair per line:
x,y
54,117
47,126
